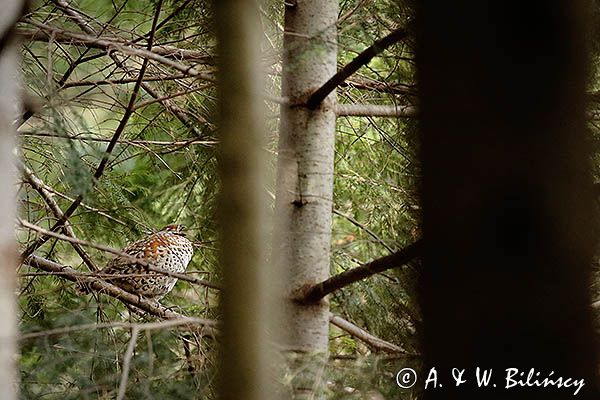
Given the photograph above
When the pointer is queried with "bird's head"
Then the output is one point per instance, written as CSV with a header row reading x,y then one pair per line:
x,y
177,229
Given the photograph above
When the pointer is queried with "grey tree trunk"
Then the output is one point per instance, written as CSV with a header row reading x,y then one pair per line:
x,y
9,67
305,180
246,363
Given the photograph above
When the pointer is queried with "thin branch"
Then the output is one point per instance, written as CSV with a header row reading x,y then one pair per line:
x,y
363,227
58,35
127,362
362,59
104,162
320,290
207,327
162,53
40,187
172,323
182,143
87,207
375,110
75,16
168,97
168,104
71,239
112,82
368,84
372,341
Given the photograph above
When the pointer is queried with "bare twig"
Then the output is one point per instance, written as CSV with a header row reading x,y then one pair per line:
x,y
160,54
181,143
363,227
40,187
126,363
87,207
382,87
168,104
112,82
104,162
172,323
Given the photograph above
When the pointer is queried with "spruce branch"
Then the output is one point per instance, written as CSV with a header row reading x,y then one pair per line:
x,y
206,327
362,59
317,292
107,153
53,206
369,339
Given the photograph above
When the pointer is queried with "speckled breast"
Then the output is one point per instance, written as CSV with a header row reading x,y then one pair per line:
x,y
165,250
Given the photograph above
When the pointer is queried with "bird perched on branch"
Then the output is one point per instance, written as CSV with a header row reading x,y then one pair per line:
x,y
167,249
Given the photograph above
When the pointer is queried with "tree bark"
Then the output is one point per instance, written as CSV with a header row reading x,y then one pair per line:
x,y
245,365
305,181
509,223
9,87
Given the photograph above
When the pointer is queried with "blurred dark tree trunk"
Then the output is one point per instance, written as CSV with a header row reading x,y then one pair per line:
x,y
508,214
246,275
9,110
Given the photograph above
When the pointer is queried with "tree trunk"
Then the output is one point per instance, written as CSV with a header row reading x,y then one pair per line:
x,y
508,215
305,180
244,373
9,67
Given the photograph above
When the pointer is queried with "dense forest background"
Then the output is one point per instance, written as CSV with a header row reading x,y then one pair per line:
x,y
119,137
79,74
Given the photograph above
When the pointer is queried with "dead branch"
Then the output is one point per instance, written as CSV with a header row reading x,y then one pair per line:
x,y
40,187
362,59
172,323
104,161
48,32
84,205
162,54
126,362
382,87
112,82
397,259
167,103
364,228
375,110
370,340
206,327
182,143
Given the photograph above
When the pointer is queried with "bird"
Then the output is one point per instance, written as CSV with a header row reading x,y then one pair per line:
x,y
167,249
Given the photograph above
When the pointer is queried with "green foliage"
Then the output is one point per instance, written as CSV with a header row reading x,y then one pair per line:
x,y
157,175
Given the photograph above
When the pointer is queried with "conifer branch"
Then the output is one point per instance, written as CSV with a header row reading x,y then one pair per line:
x,y
375,110
207,327
364,228
143,143
145,326
160,54
369,339
397,259
104,161
362,59
40,187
